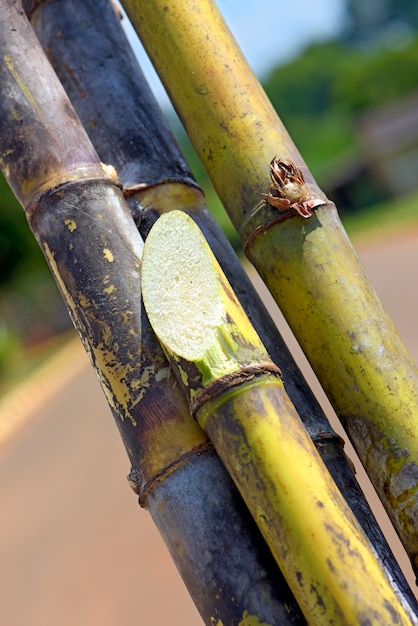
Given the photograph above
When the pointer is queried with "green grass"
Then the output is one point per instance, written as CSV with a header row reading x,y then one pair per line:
x,y
384,219
22,363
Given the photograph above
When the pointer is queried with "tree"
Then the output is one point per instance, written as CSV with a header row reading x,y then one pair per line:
x,y
378,21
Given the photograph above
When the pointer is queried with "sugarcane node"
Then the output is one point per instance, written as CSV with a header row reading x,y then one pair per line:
x,y
221,385
288,191
329,436
261,228
158,190
112,173
142,488
61,188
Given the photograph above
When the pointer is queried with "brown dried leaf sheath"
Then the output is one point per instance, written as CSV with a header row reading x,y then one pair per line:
x,y
288,189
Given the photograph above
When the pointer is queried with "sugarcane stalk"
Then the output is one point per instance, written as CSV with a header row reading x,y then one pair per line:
x,y
80,219
114,102
308,264
238,398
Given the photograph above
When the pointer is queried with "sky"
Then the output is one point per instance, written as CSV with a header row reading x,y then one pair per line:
x,y
267,31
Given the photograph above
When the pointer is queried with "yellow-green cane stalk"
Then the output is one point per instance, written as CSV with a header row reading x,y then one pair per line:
x,y
308,264
238,397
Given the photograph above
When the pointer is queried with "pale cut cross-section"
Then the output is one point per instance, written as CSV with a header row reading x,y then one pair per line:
x,y
180,286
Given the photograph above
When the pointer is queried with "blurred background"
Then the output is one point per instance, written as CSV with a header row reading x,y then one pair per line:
x,y
343,76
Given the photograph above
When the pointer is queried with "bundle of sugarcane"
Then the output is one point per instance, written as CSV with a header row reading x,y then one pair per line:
x,y
77,212
66,52
332,598
236,396
238,399
293,236
114,103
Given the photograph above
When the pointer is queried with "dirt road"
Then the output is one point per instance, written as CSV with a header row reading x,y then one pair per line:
x,y
75,548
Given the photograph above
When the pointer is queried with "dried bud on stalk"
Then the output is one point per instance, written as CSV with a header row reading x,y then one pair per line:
x,y
288,189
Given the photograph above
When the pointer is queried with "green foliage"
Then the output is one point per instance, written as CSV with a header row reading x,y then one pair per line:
x,y
398,214
19,251
31,309
321,139
379,77
321,94
9,346
376,21
305,85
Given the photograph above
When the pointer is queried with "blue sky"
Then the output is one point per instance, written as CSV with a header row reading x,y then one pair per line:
x,y
268,31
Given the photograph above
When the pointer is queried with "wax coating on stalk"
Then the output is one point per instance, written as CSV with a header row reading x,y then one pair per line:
x,y
181,289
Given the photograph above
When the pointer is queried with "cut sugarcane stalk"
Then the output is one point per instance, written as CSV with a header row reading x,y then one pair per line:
x,y
237,396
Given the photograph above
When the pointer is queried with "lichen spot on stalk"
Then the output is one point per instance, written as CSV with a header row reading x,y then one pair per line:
x,y
108,255
252,620
71,225
109,290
